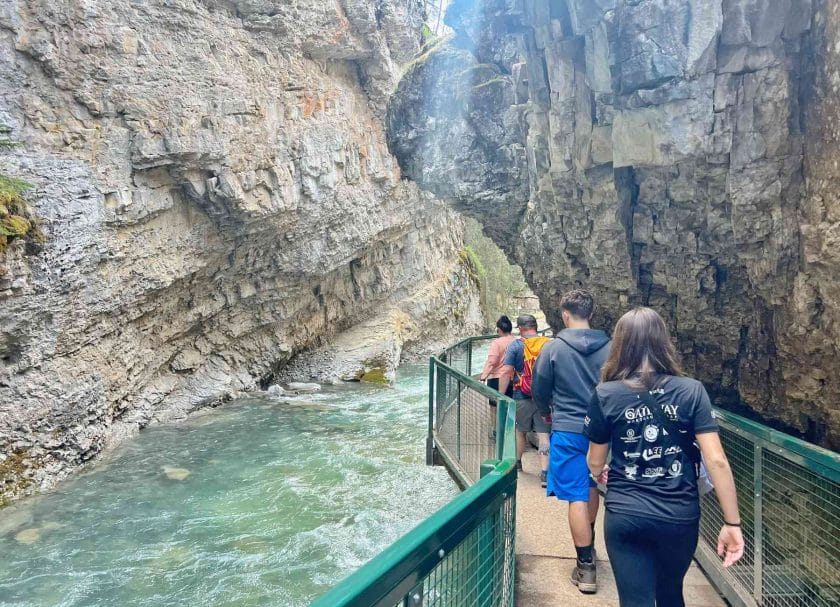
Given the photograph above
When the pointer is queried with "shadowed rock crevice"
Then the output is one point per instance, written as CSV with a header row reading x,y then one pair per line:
x,y
676,154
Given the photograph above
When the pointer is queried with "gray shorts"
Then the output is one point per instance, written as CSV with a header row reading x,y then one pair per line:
x,y
528,418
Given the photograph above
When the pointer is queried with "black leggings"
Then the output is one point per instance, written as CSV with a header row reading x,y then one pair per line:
x,y
649,558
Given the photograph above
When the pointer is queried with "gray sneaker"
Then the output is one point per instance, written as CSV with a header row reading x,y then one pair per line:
x,y
585,577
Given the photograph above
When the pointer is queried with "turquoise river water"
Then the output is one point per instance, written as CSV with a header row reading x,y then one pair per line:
x,y
254,503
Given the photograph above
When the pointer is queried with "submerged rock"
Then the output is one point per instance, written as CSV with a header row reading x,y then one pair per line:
x,y
304,404
28,536
12,518
176,474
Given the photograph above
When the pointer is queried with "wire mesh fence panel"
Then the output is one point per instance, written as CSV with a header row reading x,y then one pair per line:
x,y
790,513
740,452
465,422
459,356
479,571
801,529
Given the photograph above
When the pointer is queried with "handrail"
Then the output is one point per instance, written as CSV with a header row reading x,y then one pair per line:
x,y
395,571
815,458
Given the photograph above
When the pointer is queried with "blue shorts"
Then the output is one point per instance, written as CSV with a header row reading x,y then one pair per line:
x,y
568,472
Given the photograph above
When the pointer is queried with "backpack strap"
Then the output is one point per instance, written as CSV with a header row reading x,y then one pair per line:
x,y
682,439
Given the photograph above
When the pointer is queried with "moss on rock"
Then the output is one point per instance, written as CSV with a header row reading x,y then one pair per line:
x,y
16,218
375,375
13,477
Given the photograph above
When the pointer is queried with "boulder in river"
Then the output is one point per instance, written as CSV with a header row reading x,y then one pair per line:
x,y
28,536
299,386
274,391
176,474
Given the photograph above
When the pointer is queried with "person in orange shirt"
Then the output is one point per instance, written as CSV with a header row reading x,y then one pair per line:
x,y
493,365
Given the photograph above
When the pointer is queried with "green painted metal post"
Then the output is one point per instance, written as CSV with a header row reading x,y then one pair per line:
x,y
758,523
501,416
458,422
487,549
430,437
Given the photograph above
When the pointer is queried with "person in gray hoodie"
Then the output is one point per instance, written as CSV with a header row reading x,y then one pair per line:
x,y
565,375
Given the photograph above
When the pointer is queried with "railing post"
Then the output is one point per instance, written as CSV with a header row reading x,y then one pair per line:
x,y
458,422
758,524
430,438
501,416
469,358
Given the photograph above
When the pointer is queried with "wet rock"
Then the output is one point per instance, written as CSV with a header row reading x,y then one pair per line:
x,y
303,387
275,391
13,518
176,474
28,536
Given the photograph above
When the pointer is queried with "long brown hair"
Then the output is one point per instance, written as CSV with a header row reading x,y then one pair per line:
x,y
641,345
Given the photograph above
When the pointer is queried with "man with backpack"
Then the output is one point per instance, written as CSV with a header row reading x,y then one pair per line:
x,y
518,367
564,379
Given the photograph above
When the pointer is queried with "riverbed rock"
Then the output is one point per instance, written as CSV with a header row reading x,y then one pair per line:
x,y
176,474
14,518
217,194
28,536
680,155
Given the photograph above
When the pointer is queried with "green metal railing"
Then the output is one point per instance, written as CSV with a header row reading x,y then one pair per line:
x,y
463,555
789,496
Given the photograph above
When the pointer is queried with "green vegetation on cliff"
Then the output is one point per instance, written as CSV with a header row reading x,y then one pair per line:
x,y
16,219
501,282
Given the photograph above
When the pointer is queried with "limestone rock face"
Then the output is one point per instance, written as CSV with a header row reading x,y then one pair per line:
x,y
217,195
677,154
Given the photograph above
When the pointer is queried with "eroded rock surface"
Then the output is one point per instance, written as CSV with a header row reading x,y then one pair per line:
x,y
678,154
217,196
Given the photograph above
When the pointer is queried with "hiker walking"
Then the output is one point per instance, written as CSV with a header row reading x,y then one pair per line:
x,y
518,367
564,378
493,365
654,419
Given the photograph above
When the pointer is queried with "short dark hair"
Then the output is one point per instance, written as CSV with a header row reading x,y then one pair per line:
x,y
578,303
526,320
504,324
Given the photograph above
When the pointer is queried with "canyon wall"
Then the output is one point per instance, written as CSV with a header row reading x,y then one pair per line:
x,y
673,153
217,195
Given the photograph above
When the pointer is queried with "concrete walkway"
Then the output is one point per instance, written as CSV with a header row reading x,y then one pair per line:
x,y
545,554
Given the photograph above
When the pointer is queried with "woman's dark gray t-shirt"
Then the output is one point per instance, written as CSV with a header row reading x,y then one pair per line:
x,y
649,473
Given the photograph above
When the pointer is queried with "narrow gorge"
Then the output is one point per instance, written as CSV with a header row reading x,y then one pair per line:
x,y
680,154
216,195
222,193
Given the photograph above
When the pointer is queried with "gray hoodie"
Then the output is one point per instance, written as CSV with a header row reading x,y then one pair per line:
x,y
565,375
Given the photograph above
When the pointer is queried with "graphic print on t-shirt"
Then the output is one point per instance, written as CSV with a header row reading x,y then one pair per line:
x,y
649,473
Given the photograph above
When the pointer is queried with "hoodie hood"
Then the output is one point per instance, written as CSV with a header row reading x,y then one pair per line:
x,y
585,341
